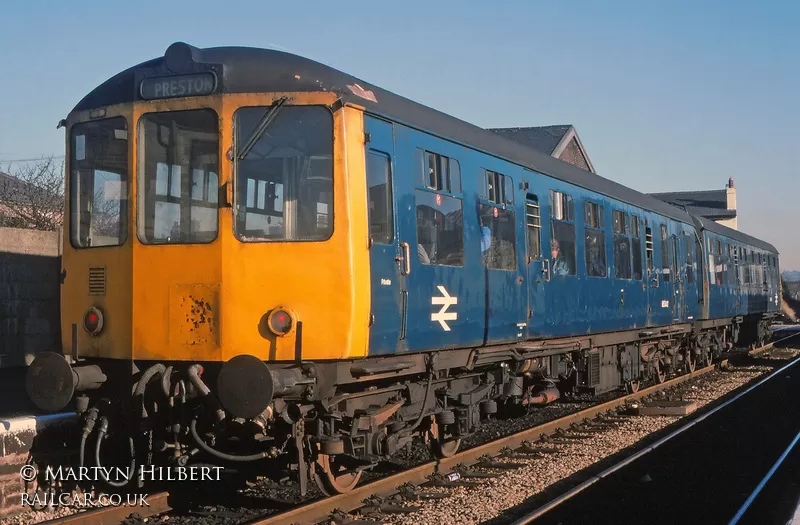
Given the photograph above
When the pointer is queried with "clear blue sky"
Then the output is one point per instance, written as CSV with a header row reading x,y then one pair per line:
x,y
666,96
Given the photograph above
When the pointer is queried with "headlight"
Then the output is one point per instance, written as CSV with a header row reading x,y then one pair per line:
x,y
93,321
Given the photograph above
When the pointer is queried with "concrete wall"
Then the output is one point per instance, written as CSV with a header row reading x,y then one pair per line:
x,y
30,265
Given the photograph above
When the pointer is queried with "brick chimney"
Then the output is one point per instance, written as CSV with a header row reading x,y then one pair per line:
x,y
731,202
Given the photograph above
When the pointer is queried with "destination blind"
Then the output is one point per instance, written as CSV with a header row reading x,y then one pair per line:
x,y
178,86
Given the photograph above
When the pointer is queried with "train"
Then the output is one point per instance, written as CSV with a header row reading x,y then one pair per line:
x,y
276,267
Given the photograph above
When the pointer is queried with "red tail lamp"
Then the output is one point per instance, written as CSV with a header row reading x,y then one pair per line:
x,y
280,321
93,321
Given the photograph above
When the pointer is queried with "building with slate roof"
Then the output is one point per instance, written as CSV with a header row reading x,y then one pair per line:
x,y
716,205
560,141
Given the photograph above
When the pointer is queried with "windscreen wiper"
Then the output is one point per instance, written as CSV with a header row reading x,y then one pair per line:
x,y
266,120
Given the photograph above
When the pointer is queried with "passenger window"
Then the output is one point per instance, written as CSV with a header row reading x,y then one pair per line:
x,y
720,268
664,254
595,240
498,246
533,227
562,234
440,173
593,214
440,231
379,186
622,246
497,188
561,208
636,248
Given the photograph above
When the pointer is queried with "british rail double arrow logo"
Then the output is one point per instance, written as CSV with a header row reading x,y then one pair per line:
x,y
442,316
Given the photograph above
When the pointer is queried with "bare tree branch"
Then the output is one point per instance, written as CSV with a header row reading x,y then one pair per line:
x,y
32,196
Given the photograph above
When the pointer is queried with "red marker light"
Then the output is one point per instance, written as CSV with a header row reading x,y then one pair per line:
x,y
280,322
93,321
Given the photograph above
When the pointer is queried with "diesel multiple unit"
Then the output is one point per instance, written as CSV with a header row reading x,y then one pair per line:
x,y
273,264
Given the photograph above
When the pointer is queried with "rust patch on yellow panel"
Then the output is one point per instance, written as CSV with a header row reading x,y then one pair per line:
x,y
193,314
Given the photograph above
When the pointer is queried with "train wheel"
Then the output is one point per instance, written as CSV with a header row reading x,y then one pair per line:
x,y
691,361
334,478
708,357
444,449
631,387
442,445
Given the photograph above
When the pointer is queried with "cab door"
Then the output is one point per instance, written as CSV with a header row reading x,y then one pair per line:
x,y
387,286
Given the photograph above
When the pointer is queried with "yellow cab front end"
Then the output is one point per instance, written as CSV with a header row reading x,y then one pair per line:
x,y
206,227
218,232
215,254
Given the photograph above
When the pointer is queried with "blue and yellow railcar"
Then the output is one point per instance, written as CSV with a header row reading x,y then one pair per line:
x,y
275,264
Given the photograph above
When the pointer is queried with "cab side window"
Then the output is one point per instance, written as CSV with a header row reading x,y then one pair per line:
x,y
379,186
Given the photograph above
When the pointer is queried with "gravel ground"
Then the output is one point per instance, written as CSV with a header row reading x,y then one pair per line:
x,y
465,505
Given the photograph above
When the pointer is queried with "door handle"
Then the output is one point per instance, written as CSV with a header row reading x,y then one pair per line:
x,y
406,258
546,271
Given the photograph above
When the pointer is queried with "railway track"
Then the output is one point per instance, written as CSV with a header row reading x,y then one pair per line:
x,y
531,516
488,456
492,455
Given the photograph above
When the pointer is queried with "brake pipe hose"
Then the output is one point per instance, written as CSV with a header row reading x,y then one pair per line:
x,y
141,386
222,455
101,435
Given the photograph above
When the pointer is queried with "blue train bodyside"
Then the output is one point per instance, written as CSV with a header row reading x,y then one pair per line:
x,y
479,231
743,272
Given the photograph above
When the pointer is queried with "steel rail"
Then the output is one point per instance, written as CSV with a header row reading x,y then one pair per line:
x,y
528,518
320,510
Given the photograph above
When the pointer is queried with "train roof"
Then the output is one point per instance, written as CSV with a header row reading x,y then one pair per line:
x,y
254,70
708,224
